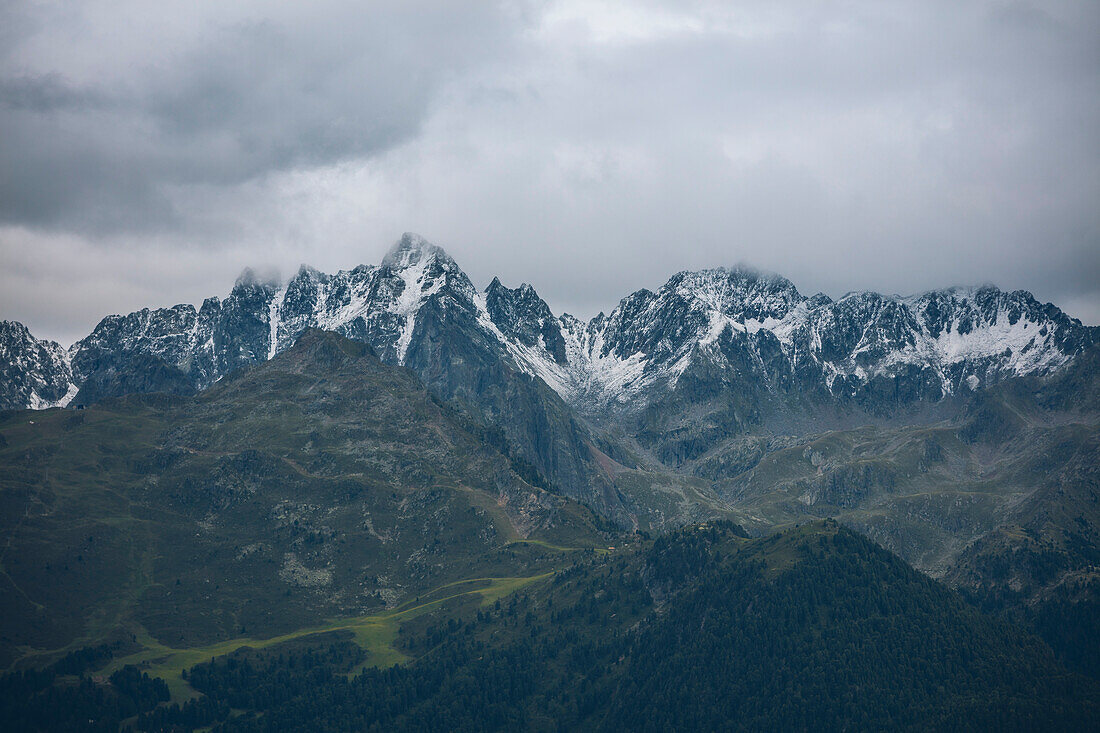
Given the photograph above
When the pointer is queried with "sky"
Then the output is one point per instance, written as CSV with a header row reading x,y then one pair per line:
x,y
149,150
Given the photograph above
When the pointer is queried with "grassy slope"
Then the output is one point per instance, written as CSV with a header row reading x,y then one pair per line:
x,y
375,634
323,484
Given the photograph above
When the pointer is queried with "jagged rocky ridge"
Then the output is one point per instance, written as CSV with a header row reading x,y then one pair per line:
x,y
761,326
951,340
734,338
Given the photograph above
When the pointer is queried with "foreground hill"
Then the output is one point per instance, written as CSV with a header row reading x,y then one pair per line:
x,y
815,628
321,484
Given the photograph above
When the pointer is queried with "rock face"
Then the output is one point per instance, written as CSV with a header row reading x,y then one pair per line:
x,y
33,373
525,319
709,356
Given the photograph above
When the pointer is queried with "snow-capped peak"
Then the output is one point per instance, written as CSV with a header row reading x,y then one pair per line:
x,y
412,250
739,292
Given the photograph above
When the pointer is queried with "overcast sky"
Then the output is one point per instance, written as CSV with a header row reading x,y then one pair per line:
x,y
150,150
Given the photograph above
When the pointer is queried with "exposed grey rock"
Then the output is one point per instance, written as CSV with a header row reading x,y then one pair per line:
x,y
523,316
33,373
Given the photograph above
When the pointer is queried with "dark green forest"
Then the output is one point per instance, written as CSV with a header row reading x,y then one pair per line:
x,y
815,628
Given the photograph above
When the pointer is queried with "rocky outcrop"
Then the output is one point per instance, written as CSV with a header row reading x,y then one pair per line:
x,y
33,373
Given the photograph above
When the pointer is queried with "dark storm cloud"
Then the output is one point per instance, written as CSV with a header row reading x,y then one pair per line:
x,y
588,147
232,101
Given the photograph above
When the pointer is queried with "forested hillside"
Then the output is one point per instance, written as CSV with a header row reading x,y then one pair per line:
x,y
815,628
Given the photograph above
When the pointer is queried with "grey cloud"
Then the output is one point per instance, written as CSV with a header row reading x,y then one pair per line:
x,y
239,101
589,148
910,150
47,93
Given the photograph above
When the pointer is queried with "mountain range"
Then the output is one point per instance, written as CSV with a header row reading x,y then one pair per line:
x,y
861,349
640,413
379,458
